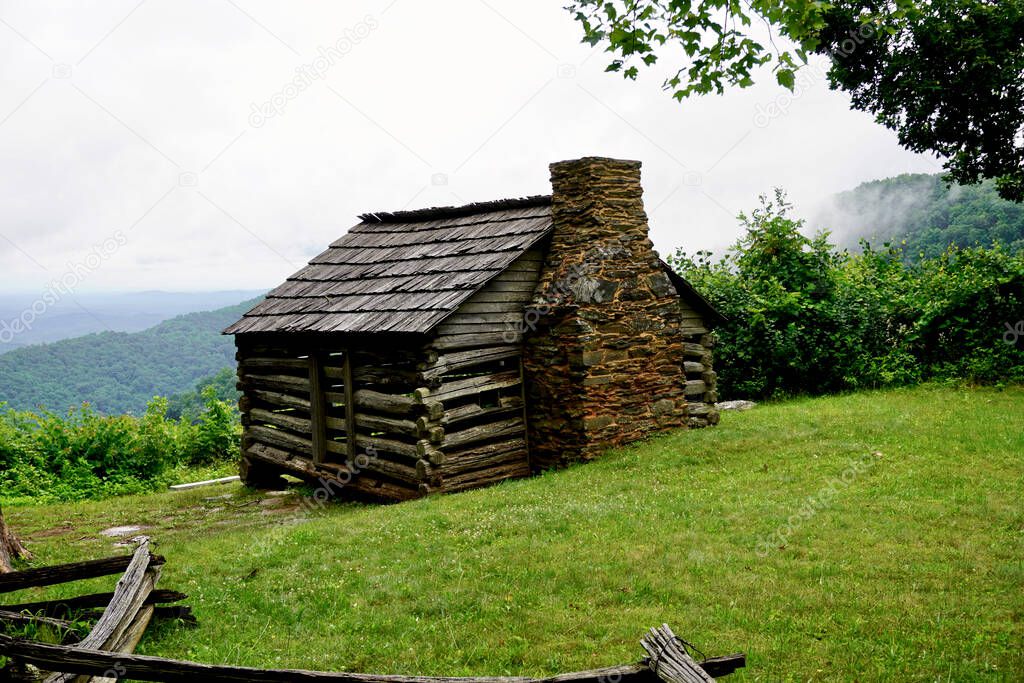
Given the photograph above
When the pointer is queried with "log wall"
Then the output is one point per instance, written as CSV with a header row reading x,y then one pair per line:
x,y
394,420
353,420
480,381
701,379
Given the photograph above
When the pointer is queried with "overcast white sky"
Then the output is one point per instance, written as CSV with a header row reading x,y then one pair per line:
x,y
132,123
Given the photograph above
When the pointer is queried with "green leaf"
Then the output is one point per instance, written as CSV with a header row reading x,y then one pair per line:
x,y
786,78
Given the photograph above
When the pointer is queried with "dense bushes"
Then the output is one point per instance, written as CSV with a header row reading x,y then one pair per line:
x,y
191,404
807,318
84,454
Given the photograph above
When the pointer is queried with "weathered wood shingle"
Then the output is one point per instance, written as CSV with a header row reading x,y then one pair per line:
x,y
402,272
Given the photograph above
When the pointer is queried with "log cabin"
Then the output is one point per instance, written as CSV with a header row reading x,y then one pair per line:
x,y
442,349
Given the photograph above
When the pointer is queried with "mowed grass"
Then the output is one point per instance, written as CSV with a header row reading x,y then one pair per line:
x,y
913,569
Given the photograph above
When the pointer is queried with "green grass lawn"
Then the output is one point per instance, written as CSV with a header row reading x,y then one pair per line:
x,y
911,567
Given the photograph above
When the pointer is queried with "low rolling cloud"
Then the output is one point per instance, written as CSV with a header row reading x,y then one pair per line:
x,y
228,141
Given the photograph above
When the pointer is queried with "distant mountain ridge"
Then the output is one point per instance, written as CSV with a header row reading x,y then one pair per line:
x,y
119,372
75,315
921,213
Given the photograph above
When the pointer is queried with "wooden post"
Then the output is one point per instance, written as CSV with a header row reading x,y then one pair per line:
x,y
350,407
317,407
10,547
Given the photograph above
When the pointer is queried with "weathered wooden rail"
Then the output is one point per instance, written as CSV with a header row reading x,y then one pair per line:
x,y
106,653
65,573
669,663
128,609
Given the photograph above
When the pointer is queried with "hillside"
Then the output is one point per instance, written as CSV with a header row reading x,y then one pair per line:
x,y
920,210
119,372
863,537
87,313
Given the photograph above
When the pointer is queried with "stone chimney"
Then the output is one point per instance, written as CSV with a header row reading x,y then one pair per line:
x,y
604,364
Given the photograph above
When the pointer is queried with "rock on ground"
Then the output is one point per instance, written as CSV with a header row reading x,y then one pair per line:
x,y
735,405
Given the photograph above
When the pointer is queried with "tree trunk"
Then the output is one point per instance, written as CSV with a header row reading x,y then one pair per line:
x,y
10,547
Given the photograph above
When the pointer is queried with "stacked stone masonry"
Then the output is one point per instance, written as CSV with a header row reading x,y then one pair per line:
x,y
606,366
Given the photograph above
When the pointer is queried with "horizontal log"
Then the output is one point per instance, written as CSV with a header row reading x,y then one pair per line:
x,y
526,287
403,472
377,423
476,340
171,612
335,478
279,399
420,429
264,363
244,351
524,275
64,573
282,382
385,355
490,296
382,444
483,432
285,459
531,260
454,362
60,608
475,385
507,405
296,424
386,403
484,450
484,477
512,451
160,670
473,306
456,328
375,375
280,439
393,404
499,318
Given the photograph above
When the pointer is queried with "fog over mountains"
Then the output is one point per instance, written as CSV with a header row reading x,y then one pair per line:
x,y
28,318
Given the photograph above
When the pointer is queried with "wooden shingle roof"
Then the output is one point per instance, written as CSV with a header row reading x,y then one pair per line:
x,y
402,272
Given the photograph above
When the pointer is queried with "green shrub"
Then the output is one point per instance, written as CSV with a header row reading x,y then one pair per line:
x,y
806,318
84,454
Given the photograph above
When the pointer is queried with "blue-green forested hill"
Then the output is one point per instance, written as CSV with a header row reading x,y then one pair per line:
x,y
119,372
924,216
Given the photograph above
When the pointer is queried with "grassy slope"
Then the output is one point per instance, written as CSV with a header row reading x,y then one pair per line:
x,y
914,571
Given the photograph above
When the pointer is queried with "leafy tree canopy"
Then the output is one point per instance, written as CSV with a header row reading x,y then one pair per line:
x,y
947,75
